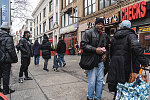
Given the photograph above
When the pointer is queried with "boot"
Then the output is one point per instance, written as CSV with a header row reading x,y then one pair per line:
x,y
20,80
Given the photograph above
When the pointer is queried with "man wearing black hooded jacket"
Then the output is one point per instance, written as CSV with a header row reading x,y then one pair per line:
x,y
7,46
26,53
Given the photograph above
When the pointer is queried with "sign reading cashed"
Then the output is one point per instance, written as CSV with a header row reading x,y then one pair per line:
x,y
134,11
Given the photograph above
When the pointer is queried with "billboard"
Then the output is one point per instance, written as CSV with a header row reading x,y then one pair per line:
x,y
4,11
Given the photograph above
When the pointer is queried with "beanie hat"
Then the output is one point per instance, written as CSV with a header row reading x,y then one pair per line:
x,y
99,20
25,32
125,24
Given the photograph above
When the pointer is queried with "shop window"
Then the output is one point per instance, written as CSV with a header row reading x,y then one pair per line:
x,y
44,26
50,5
89,7
50,23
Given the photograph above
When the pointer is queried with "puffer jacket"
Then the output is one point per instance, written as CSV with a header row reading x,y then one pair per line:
x,y
46,49
61,47
91,40
25,48
123,43
7,46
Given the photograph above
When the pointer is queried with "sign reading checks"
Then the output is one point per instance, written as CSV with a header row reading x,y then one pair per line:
x,y
135,11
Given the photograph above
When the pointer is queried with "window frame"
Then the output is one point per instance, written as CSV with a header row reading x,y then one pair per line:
x,y
89,7
50,22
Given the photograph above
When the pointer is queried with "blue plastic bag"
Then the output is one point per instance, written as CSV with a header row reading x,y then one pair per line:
x,y
138,90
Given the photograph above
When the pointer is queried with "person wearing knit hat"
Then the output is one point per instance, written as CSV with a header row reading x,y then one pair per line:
x,y
26,53
94,44
124,43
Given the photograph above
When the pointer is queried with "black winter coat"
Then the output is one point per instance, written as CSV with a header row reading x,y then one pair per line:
x,y
26,48
7,46
61,47
46,49
91,40
123,43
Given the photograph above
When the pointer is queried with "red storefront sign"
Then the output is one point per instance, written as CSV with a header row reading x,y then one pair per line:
x,y
51,40
135,11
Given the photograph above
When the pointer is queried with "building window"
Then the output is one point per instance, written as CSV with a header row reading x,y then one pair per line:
x,y
89,6
30,23
37,30
113,2
66,19
63,4
40,16
50,5
40,29
44,26
37,19
50,23
67,2
62,21
56,2
56,17
70,19
107,3
75,15
70,1
44,12
30,29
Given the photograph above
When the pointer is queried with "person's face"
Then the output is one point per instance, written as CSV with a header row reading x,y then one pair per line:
x,y
28,35
99,26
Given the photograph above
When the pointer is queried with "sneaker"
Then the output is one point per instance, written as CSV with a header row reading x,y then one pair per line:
x,y
8,92
104,83
64,64
28,78
20,80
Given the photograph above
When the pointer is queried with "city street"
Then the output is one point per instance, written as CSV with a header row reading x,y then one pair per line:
x,y
67,84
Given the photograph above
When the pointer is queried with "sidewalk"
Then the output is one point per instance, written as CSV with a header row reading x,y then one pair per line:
x,y
68,84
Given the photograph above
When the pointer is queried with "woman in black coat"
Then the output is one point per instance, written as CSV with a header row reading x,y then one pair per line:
x,y
46,51
124,42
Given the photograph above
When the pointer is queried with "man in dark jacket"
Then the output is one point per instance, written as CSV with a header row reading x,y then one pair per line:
x,y
7,46
26,53
46,51
36,48
61,49
123,45
94,42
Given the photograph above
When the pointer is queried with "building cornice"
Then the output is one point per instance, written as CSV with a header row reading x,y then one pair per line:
x,y
37,7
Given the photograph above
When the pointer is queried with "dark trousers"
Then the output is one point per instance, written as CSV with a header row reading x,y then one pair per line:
x,y
25,62
5,74
45,63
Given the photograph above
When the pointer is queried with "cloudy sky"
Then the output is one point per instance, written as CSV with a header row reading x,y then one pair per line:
x,y
17,24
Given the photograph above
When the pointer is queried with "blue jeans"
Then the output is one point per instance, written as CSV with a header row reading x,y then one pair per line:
x,y
95,81
36,60
61,59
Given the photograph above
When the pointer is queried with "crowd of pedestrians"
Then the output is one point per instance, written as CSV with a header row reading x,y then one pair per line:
x,y
100,56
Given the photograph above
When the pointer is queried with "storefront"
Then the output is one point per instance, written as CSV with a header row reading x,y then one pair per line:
x,y
69,34
139,15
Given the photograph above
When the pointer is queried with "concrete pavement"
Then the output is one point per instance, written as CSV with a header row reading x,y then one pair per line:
x,y
67,84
